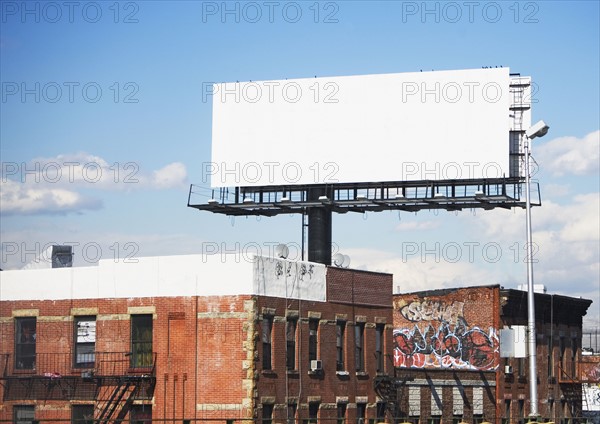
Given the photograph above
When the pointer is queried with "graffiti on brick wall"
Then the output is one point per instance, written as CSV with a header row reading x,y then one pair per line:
x,y
433,311
592,373
444,339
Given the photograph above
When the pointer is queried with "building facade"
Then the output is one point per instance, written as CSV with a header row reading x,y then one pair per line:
x,y
194,338
455,364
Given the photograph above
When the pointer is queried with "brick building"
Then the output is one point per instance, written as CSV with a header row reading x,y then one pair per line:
x,y
451,368
193,338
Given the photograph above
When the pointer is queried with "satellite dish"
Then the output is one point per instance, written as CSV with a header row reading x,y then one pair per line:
x,y
346,263
282,251
338,259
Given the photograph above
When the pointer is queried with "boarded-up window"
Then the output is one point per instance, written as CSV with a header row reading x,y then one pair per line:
x,y
477,400
457,401
414,401
436,400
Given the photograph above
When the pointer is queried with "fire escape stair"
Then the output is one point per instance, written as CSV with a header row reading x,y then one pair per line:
x,y
572,390
126,388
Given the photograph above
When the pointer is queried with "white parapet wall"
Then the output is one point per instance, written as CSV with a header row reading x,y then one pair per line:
x,y
169,276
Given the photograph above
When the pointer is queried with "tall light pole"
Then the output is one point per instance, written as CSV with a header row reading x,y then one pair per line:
x,y
538,130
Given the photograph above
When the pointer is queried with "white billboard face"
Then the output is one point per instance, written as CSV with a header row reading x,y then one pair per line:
x,y
391,127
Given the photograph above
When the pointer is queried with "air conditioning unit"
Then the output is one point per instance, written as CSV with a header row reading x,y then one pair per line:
x,y
508,369
316,365
87,375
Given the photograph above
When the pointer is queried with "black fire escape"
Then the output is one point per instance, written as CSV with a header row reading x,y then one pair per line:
x,y
389,388
112,380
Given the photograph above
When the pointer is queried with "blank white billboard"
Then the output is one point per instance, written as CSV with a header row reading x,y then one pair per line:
x,y
440,125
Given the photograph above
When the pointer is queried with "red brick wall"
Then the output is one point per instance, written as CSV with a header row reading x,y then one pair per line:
x,y
447,329
209,351
353,296
210,331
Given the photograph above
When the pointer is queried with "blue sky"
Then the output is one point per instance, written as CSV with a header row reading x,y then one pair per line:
x,y
119,85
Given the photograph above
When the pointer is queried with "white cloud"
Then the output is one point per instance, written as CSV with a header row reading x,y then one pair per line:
x,y
418,272
417,225
55,184
19,247
172,175
16,198
556,190
570,155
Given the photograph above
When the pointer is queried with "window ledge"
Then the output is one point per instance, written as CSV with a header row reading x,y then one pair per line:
x,y
270,373
342,373
315,373
293,372
362,374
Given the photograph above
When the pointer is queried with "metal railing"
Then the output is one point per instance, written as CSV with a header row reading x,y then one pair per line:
x,y
55,365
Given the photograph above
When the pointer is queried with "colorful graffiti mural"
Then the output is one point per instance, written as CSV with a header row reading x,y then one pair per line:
x,y
590,369
451,344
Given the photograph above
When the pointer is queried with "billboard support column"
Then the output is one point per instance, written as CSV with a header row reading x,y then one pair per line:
x,y
319,227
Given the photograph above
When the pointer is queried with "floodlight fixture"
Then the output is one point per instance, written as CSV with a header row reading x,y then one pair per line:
x,y
539,129
248,200
213,202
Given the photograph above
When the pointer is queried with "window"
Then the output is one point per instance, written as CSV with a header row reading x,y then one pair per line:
x,y
141,341
267,329
381,407
82,414
359,339
141,414
267,413
521,415
340,329
434,420
506,418
290,336
313,413
360,413
341,413
379,331
25,336
291,413
457,419
23,414
85,342
313,339
521,367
